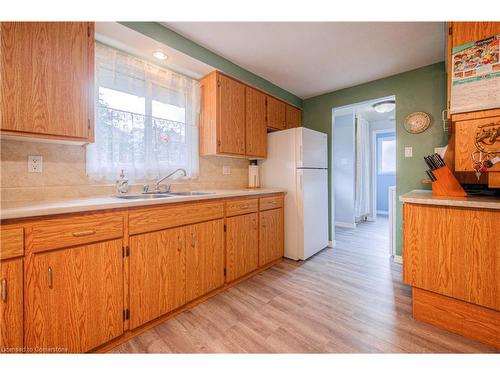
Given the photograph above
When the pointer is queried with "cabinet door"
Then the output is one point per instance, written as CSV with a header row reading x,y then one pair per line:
x,y
157,274
74,299
46,70
204,258
231,124
464,142
11,304
293,117
242,245
271,236
276,113
256,132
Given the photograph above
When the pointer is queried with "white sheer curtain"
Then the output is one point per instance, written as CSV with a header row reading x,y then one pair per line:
x,y
146,119
362,198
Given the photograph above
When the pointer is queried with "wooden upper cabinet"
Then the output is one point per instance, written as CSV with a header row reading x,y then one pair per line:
x,y
293,117
11,304
46,71
222,118
460,33
74,297
276,113
256,131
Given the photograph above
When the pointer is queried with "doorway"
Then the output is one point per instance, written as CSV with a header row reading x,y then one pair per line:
x,y
364,167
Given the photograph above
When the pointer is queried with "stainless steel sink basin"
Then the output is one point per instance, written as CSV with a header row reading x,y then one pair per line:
x,y
143,196
187,193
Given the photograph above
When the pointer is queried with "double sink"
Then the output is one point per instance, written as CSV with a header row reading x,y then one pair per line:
x,y
163,195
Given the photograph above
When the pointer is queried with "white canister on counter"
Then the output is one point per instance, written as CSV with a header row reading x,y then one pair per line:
x,y
253,174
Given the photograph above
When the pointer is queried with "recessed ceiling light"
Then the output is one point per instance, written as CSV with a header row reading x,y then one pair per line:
x,y
385,106
159,55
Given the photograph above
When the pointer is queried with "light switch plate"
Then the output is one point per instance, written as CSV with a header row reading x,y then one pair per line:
x,y
35,163
408,152
226,169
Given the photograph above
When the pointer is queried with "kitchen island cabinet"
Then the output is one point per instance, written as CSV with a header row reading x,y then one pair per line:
x,y
451,258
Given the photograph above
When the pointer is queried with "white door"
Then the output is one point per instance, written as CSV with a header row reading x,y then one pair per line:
x,y
311,148
313,211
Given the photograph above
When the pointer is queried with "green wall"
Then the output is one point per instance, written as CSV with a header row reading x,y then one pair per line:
x,y
169,37
422,89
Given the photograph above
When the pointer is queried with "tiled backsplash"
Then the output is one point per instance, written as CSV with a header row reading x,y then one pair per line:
x,y
64,175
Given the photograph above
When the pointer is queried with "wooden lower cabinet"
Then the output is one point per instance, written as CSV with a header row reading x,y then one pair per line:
x,y
242,245
11,305
204,258
74,298
157,274
271,241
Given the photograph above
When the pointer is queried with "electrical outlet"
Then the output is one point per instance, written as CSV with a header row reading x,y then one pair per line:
x,y
408,152
35,163
226,169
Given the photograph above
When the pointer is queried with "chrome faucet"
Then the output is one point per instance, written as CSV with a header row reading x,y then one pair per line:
x,y
145,188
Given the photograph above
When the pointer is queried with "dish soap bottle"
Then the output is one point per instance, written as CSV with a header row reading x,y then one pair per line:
x,y
122,184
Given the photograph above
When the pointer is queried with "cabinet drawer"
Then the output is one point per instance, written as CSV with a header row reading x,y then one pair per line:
x,y
152,219
241,206
268,203
11,243
76,230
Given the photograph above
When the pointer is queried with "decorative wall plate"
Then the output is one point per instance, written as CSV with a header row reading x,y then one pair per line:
x,y
417,122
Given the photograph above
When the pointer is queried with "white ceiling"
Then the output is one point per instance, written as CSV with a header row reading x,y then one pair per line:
x,y
128,40
311,58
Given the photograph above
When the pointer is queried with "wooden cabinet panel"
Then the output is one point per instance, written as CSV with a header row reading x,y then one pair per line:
x,y
271,236
276,113
453,251
231,124
11,242
75,230
157,218
256,131
464,143
47,78
204,258
268,203
241,206
157,274
242,245
74,297
11,304
293,117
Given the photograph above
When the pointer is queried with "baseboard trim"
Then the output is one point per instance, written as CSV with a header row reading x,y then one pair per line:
x,y
464,318
397,259
343,224
332,244
383,213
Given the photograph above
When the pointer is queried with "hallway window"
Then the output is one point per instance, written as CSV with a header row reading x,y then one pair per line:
x,y
386,155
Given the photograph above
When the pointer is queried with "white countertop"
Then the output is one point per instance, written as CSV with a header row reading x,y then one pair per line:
x,y
426,197
16,210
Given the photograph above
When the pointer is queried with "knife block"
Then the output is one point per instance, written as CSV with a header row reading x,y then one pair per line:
x,y
446,184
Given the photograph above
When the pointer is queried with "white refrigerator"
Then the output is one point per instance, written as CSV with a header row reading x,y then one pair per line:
x,y
297,161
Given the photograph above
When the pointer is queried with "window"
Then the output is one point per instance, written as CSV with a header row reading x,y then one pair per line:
x,y
386,154
146,119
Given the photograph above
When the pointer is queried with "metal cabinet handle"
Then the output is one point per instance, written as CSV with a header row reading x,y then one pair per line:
x,y
49,277
84,233
4,290
193,239
244,207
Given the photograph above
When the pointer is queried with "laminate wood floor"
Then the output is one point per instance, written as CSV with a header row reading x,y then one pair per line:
x,y
349,299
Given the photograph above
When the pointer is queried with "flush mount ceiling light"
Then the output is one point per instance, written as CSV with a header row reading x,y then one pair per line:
x,y
159,55
385,106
